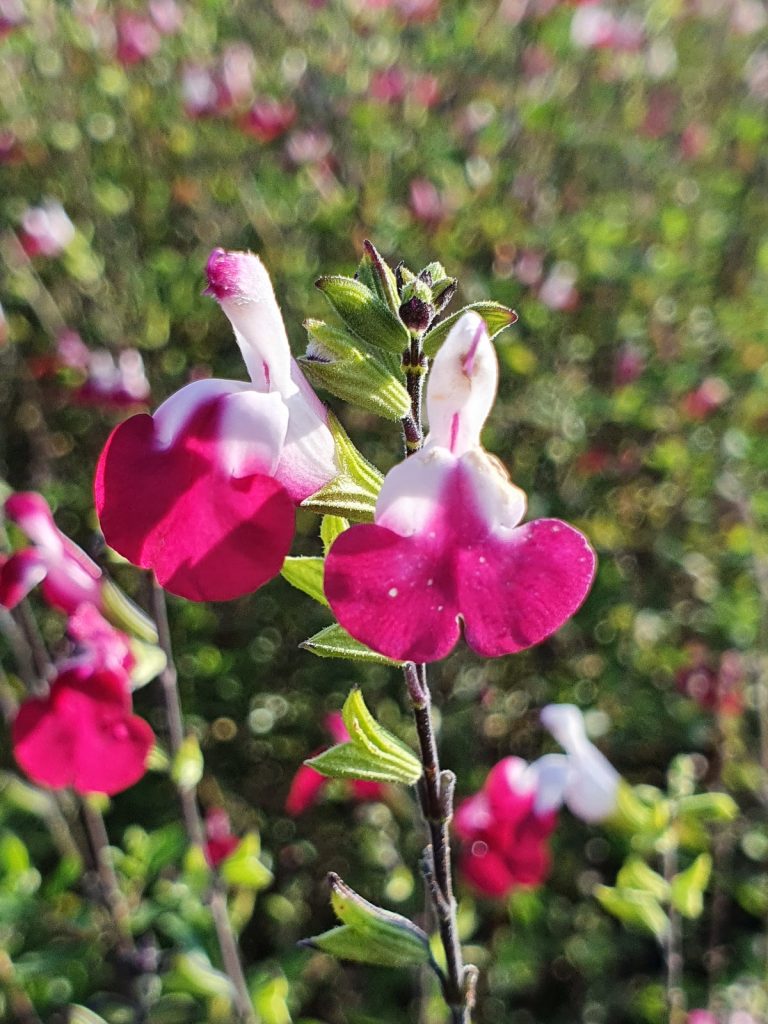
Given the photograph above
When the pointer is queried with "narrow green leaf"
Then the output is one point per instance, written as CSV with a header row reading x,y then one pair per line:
x,y
335,642
708,807
354,491
497,319
243,866
122,612
366,732
635,874
370,934
187,765
376,273
349,761
306,574
149,662
193,972
688,886
344,943
364,313
634,907
357,373
330,528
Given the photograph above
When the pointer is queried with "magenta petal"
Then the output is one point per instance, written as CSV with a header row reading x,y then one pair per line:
x,y
487,871
305,789
83,734
19,575
515,592
393,593
207,536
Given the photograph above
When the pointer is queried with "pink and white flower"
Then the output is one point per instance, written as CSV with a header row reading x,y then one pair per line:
x,y
446,545
68,576
591,784
203,491
83,733
506,827
46,230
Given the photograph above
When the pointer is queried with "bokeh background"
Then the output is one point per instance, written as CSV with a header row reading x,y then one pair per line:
x,y
599,167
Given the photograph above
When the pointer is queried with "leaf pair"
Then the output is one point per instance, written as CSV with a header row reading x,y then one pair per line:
x,y
372,752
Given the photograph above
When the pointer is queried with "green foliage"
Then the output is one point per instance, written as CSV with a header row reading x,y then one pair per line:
x,y
369,934
372,752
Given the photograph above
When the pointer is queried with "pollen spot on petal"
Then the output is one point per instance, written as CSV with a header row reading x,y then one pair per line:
x,y
119,730
392,592
440,607
430,581
481,559
479,848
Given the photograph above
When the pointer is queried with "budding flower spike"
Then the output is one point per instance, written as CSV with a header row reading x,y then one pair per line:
x,y
446,546
203,492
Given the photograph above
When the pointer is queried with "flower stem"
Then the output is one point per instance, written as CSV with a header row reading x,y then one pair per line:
x,y
110,888
193,823
436,799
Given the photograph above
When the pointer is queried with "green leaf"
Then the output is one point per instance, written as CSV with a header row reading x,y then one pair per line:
x,y
370,934
193,972
122,612
187,765
149,662
497,318
354,491
330,528
306,574
364,313
82,1015
354,371
335,642
688,886
634,907
708,807
377,275
635,874
372,753
243,866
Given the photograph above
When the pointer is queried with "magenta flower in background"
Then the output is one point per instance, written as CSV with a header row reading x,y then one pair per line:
x,y
83,733
112,382
99,644
220,842
506,828
68,576
167,16
46,230
268,119
203,492
12,16
308,784
426,203
137,38
558,290
446,545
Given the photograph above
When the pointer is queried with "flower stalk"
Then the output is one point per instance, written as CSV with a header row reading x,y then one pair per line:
x,y
436,787
193,822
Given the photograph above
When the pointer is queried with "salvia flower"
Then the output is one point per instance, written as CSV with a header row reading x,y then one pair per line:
x,y
591,786
446,545
83,734
220,841
308,784
98,643
46,230
68,576
203,491
506,827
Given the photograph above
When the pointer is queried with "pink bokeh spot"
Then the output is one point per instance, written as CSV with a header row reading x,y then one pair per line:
x,y
83,734
206,536
404,596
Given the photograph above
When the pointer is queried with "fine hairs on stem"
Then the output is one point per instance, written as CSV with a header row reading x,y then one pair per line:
x,y
193,823
436,787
